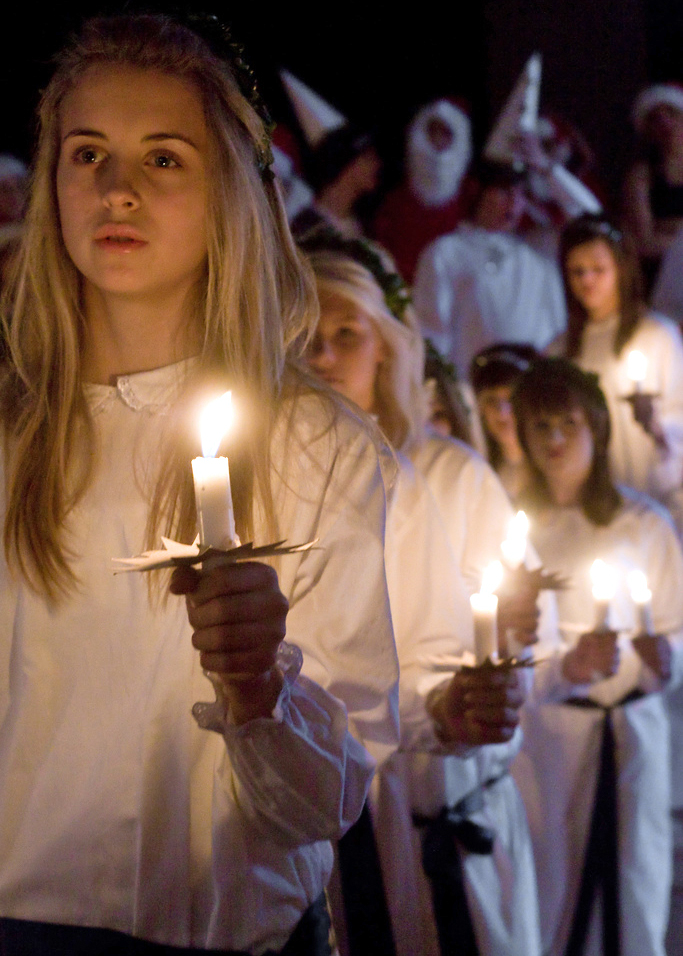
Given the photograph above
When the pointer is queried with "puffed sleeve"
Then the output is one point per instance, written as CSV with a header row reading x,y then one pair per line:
x,y
430,608
328,488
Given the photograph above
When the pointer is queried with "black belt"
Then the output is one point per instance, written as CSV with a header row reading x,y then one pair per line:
x,y
445,837
366,912
29,938
601,862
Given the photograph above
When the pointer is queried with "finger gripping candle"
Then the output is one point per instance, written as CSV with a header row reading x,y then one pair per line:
x,y
212,478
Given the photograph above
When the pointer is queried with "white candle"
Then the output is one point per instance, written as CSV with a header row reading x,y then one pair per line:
x,y
212,479
604,586
641,596
514,546
484,606
636,368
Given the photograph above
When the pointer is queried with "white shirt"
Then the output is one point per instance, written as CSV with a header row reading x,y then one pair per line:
x,y
116,810
475,287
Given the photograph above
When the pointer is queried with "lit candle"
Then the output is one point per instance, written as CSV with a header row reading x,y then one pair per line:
x,y
604,586
212,478
642,598
636,368
514,546
484,611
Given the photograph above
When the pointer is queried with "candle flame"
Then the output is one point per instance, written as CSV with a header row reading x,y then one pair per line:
x,y
214,423
514,546
491,578
637,585
604,580
636,366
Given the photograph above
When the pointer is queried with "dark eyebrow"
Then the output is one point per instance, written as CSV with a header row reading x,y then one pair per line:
x,y
153,137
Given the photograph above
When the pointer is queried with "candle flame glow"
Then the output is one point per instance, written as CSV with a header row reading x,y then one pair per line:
x,y
636,366
491,578
215,421
637,585
604,580
514,546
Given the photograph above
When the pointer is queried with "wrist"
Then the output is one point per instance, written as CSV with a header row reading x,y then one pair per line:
x,y
254,697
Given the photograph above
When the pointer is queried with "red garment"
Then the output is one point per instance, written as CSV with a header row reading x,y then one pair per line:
x,y
404,225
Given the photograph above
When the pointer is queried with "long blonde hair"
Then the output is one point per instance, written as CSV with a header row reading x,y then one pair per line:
x,y
259,298
400,399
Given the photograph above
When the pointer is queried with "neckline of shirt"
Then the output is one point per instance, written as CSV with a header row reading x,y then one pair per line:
x,y
152,390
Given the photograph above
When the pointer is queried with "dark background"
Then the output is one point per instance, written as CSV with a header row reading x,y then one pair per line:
x,y
377,68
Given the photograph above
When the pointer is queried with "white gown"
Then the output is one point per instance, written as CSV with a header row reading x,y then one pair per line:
x,y
116,810
557,767
501,888
474,288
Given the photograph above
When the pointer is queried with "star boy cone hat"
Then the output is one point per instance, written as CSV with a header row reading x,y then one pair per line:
x,y
519,115
316,116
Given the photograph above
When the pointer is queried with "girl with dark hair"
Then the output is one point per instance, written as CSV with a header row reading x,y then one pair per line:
x,y
156,267
594,768
493,374
638,356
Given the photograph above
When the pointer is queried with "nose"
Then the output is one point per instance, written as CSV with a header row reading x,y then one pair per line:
x,y
118,189
555,436
322,356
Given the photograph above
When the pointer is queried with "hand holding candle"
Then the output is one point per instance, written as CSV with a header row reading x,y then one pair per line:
x,y
654,649
212,479
641,401
484,611
596,654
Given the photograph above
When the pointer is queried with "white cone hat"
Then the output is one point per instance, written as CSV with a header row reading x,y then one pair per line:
x,y
315,115
519,115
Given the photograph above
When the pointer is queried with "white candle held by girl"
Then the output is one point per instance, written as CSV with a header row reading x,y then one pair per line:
x,y
641,595
212,478
514,546
484,612
636,369
604,582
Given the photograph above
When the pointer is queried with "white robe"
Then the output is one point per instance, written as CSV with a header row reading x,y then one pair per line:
x,y
474,510
475,287
557,768
116,810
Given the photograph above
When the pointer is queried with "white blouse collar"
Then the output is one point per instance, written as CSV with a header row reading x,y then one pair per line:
x,y
151,391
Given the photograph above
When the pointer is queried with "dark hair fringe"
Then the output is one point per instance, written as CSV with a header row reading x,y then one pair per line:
x,y
555,385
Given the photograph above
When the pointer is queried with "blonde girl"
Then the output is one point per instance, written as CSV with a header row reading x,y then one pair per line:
x,y
158,268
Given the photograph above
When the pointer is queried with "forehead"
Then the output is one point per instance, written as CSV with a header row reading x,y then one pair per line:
x,y
335,307
595,252
111,99
495,392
